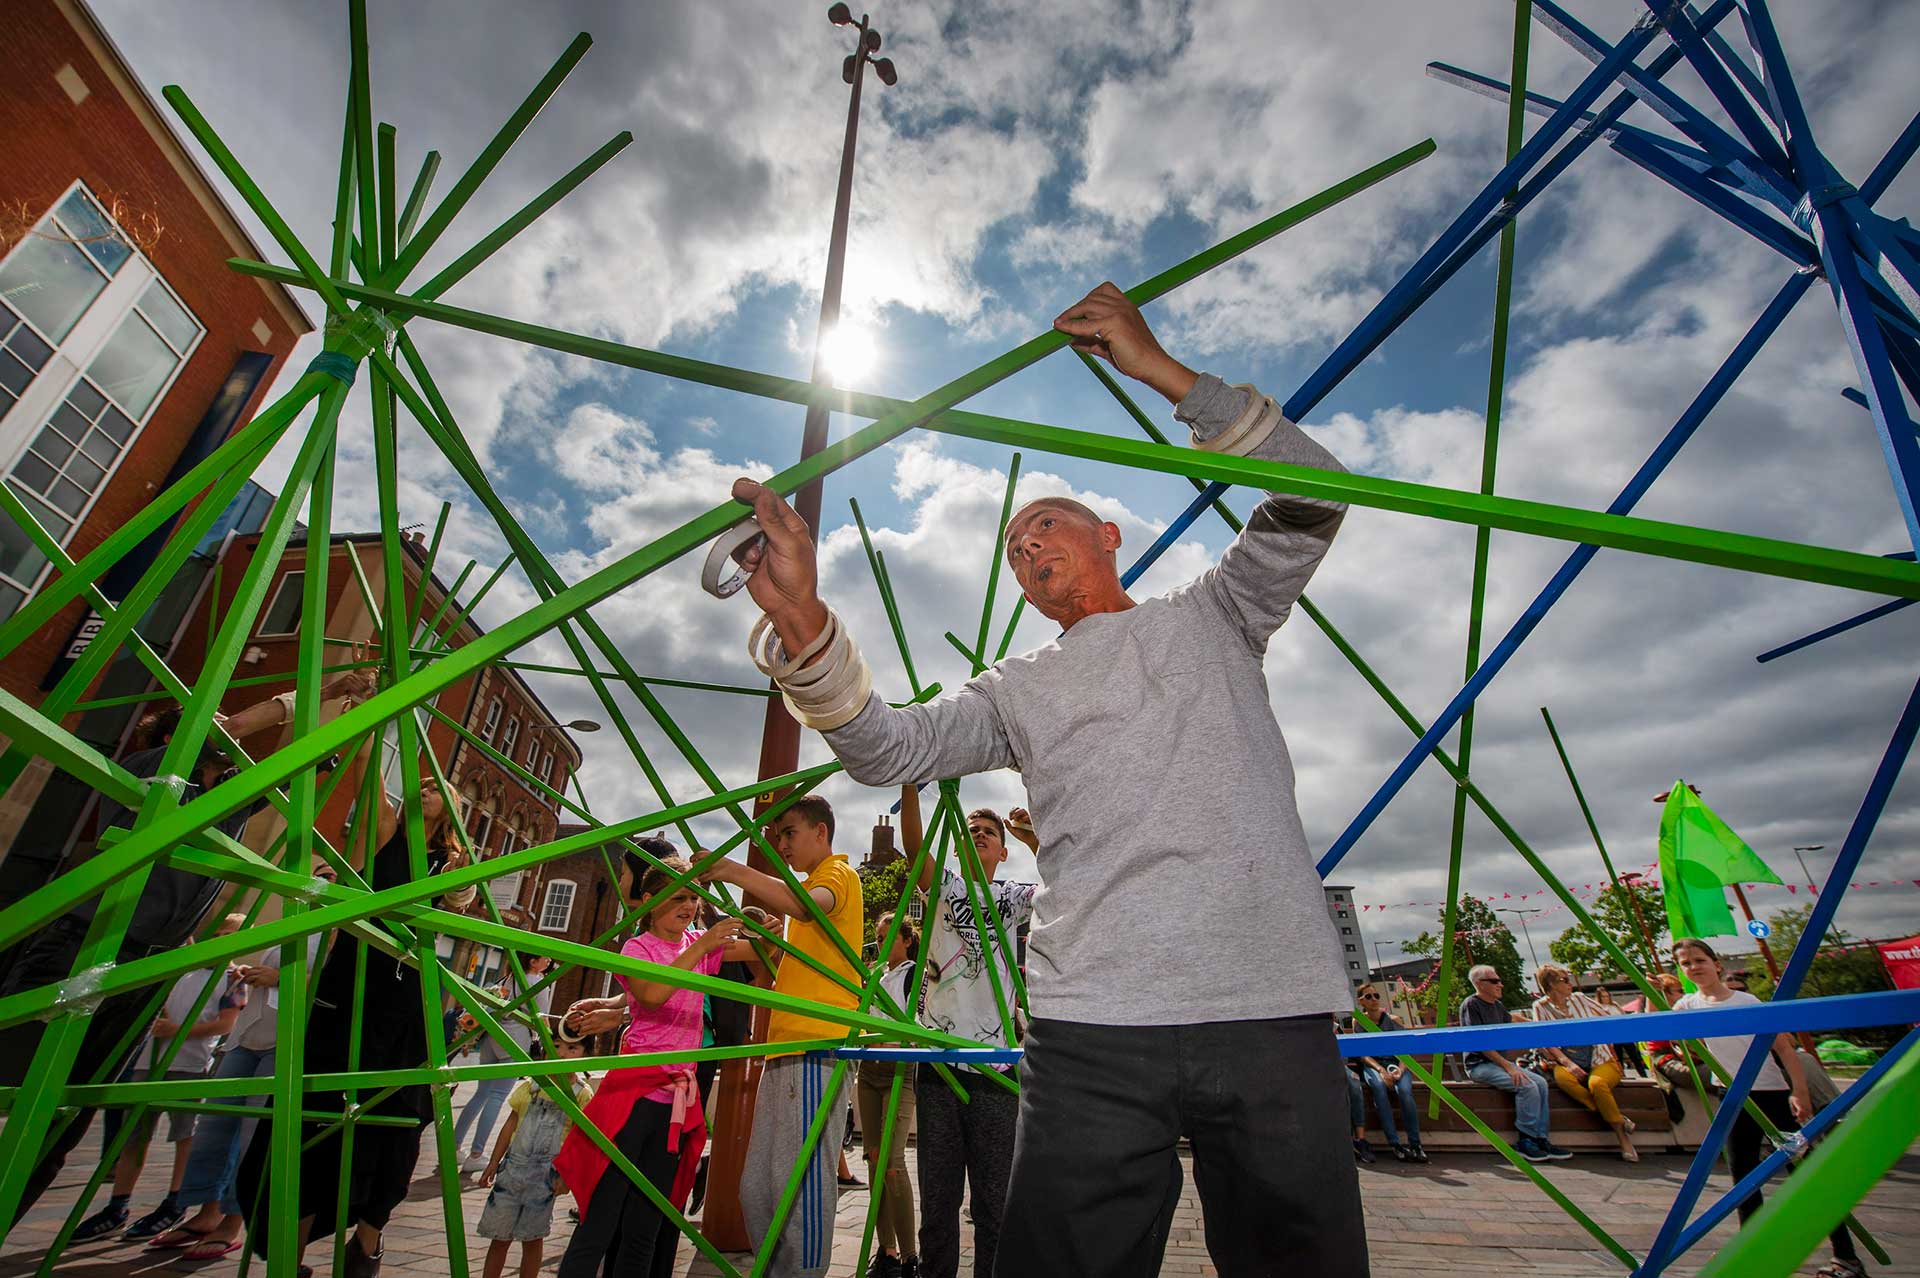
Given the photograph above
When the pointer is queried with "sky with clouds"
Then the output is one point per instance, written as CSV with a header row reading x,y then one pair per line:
x,y
1029,152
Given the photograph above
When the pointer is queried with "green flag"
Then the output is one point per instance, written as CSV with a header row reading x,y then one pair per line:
x,y
1699,856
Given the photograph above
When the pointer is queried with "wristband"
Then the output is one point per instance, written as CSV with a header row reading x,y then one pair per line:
x,y
1249,430
733,540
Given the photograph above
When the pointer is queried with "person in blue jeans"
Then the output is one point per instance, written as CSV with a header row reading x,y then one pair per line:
x,y
1530,1091
1392,1076
215,1229
482,1110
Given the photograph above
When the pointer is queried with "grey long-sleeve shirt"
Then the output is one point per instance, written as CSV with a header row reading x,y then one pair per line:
x,y
1178,887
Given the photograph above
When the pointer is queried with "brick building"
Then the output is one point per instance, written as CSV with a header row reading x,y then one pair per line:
x,y
128,349
501,811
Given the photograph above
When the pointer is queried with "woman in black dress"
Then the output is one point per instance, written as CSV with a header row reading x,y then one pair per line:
x,y
393,1035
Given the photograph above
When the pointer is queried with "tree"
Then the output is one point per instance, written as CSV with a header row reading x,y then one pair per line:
x,y
880,892
1852,972
1480,937
1577,949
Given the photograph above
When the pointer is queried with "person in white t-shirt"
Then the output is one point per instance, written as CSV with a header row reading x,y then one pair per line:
x,y
1780,1094
971,1145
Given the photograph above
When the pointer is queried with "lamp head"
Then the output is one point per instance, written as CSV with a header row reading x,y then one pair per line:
x,y
883,67
839,15
847,68
872,40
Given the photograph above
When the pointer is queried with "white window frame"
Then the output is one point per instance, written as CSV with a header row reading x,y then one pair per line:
x,y
509,736
492,722
97,324
298,579
479,828
512,841
545,772
547,905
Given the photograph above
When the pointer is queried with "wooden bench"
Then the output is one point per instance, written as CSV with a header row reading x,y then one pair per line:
x,y
1573,1126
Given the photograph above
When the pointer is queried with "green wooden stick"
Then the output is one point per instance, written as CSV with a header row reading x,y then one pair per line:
x,y
1489,456
993,566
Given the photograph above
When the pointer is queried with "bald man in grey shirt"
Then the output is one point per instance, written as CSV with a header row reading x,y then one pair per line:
x,y
1163,794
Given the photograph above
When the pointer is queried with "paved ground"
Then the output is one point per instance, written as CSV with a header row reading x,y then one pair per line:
x,y
1464,1213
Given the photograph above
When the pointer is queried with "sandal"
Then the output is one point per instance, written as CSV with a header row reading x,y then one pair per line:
x,y
1841,1269
181,1236
211,1249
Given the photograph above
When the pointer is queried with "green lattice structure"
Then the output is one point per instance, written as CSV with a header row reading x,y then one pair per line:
x,y
379,239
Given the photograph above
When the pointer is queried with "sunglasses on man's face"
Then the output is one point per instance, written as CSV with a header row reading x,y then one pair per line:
x,y
1489,980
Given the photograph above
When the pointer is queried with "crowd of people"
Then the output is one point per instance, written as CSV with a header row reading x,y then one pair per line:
x,y
1161,790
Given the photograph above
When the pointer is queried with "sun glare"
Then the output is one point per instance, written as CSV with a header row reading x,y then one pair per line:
x,y
848,354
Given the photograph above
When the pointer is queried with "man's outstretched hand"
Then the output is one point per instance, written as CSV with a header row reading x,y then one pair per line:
x,y
784,578
1106,323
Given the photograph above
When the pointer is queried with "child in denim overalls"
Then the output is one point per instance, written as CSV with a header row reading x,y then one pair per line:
x,y
520,1205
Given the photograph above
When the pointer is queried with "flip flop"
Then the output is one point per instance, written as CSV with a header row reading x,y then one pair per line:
x,y
189,1238
211,1249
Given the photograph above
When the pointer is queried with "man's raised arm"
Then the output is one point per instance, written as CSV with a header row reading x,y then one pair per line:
x,y
828,686
1269,564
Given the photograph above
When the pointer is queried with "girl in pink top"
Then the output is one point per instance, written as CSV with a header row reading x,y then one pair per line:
x,y
662,1019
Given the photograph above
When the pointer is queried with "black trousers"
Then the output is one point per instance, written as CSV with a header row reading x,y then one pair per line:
x,y
961,1146
48,959
621,1226
1743,1151
1096,1175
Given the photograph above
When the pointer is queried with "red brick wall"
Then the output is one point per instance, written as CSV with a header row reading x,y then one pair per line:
x,y
46,142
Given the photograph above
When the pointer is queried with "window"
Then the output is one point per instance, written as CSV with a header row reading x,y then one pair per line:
x,y
1351,950
557,910
511,841
492,721
505,890
1346,931
62,264
533,750
553,773
22,355
74,285
546,767
281,616
479,829
511,735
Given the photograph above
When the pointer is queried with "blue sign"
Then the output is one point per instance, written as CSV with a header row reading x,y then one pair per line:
x,y
1759,930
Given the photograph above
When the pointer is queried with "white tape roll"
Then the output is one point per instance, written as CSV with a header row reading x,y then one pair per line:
x,y
721,557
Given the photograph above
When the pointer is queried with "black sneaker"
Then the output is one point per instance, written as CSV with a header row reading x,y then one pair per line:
x,y
909,1267
157,1222
1362,1150
1554,1152
101,1223
1416,1153
1400,1153
883,1266
1532,1150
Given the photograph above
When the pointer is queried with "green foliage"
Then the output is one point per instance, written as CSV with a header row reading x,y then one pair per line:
x,y
1853,972
880,893
1480,938
1578,951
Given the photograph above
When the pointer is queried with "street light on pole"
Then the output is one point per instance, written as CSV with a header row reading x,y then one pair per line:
x,y
1522,913
1798,848
723,1223
780,735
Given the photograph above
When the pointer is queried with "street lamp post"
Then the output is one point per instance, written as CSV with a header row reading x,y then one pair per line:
x,y
1522,914
780,733
723,1223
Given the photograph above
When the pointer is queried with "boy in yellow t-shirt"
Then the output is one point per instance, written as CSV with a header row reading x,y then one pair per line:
x,y
793,1087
